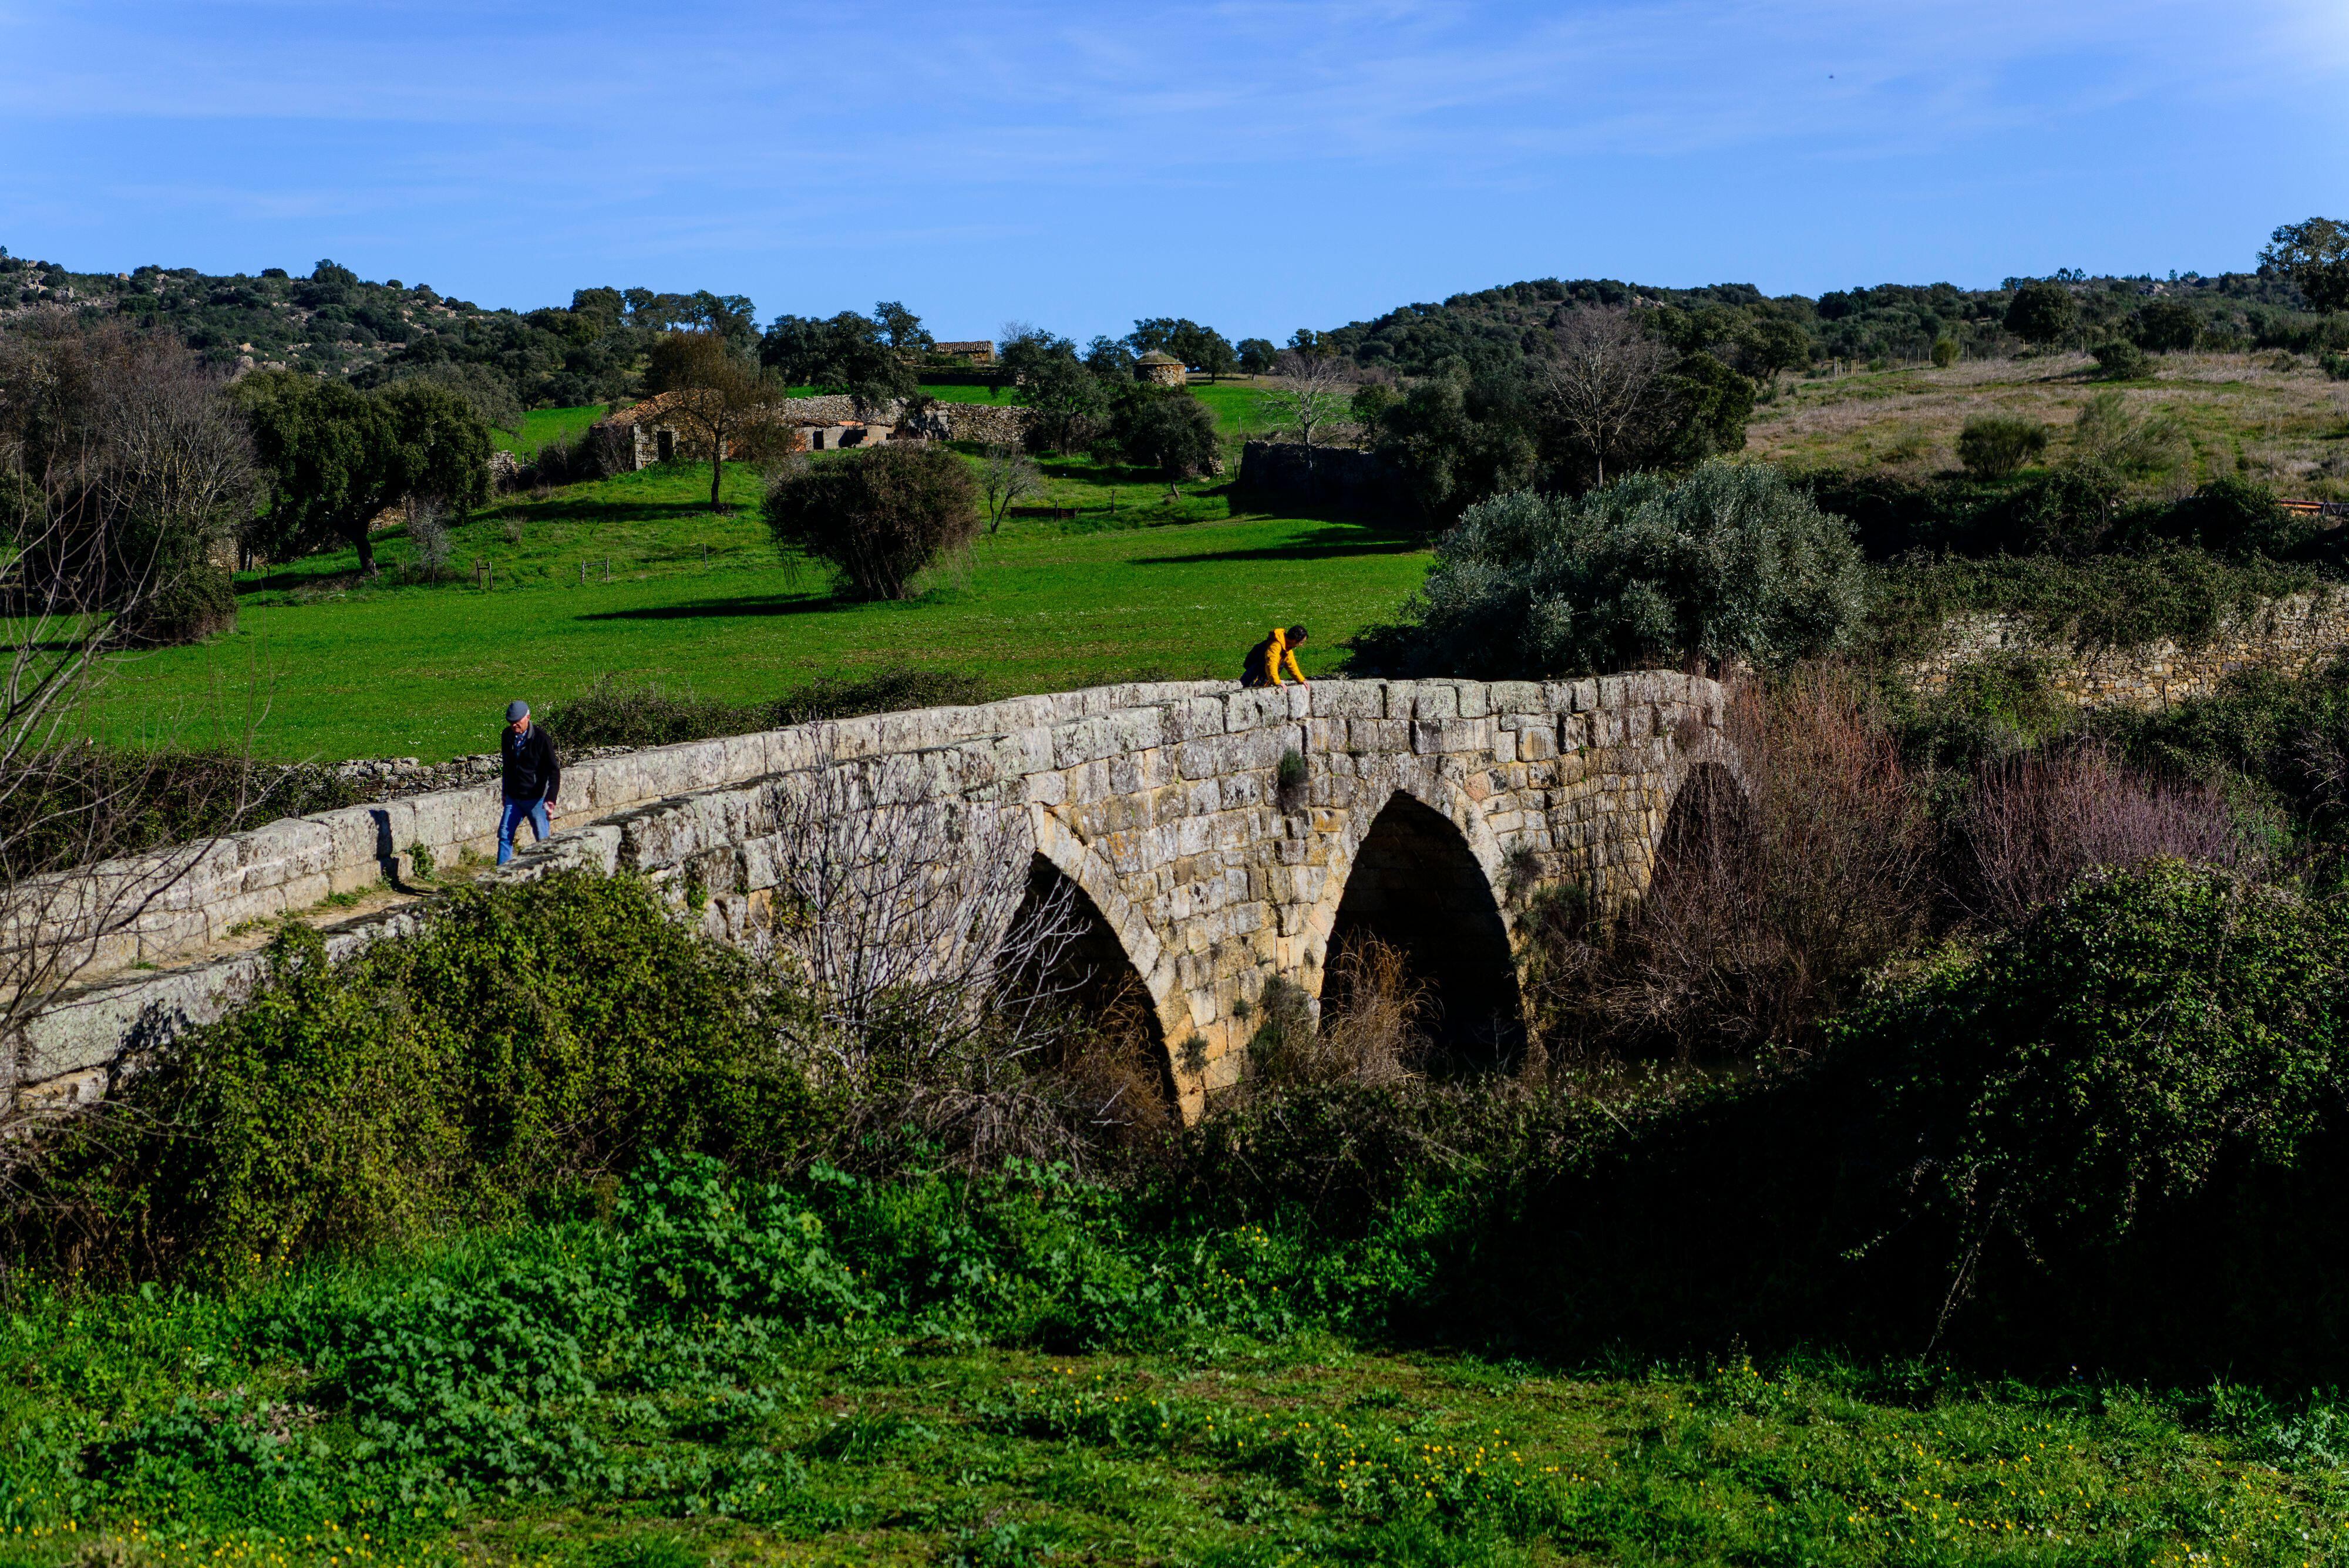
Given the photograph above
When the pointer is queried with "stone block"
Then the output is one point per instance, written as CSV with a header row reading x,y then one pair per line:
x,y
1436,699
1348,699
1254,708
1446,735
1390,736
1517,697
1475,701
1193,717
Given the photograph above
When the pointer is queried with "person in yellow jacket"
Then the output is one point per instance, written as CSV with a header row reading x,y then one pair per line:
x,y
1265,659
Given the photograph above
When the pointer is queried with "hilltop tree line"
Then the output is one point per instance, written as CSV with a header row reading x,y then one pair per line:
x,y
596,348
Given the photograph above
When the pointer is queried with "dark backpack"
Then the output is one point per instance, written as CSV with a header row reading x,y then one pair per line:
x,y
1253,672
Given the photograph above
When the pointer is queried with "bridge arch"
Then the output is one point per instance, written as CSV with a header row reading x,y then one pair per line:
x,y
1706,779
1422,873
1148,959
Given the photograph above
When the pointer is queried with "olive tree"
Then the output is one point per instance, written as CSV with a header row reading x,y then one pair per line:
x,y
333,458
1730,564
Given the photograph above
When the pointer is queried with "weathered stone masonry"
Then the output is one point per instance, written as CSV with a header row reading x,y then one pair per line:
x,y
1162,803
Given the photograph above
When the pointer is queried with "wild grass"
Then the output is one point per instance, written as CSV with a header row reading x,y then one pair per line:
x,y
540,426
2237,414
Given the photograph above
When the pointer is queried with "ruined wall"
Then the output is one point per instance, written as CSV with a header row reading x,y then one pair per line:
x,y
2296,636
1164,803
1292,472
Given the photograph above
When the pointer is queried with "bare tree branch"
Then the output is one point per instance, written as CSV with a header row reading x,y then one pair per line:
x,y
1606,384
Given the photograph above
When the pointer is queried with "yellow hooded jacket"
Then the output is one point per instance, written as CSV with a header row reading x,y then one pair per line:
x,y
1276,650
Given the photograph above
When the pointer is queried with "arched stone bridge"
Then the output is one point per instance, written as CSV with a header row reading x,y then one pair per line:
x,y
1219,840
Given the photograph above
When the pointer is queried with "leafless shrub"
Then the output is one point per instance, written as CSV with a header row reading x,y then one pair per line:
x,y
1008,476
1370,1031
427,536
898,914
1771,893
121,470
2038,820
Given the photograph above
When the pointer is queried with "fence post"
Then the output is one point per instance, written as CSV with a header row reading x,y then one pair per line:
x,y
582,572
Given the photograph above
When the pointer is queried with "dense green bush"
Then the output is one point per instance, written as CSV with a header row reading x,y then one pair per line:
x,y
1993,446
2167,326
194,601
880,516
613,712
1730,562
2118,1051
1166,429
529,1040
2120,359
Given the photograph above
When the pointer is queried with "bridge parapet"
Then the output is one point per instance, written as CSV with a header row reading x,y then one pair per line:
x,y
1421,812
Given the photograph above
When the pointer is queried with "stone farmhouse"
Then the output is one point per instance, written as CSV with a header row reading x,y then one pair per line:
x,y
812,424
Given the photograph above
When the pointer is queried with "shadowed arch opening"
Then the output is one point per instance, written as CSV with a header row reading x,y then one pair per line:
x,y
1116,1047
1416,887
1704,850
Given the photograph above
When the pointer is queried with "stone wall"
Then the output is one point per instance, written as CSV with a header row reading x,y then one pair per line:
x,y
2294,636
1162,802
1294,474
995,424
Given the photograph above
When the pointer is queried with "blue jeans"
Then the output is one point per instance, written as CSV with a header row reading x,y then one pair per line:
x,y
518,812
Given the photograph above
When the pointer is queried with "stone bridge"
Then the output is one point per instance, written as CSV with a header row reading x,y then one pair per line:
x,y
1216,840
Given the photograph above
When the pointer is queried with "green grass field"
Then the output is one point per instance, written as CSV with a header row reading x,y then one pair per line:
x,y
543,425
631,578
340,669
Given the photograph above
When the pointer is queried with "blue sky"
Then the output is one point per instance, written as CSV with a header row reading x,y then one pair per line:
x,y
1257,166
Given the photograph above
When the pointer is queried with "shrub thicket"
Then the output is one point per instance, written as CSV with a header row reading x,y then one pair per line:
x,y
126,801
1730,563
2120,359
1166,429
880,516
529,1040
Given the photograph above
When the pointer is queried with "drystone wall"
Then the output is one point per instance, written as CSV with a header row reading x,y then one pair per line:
x,y
2295,636
1338,477
995,424
1226,839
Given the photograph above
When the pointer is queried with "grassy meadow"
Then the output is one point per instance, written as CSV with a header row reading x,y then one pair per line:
x,y
334,666
2268,417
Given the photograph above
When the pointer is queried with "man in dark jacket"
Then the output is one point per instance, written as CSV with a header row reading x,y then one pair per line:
x,y
531,776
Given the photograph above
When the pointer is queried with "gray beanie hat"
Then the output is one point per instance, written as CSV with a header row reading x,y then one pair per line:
x,y
517,709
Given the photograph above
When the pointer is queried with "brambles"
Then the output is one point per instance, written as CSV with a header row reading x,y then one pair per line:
x,y
613,712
